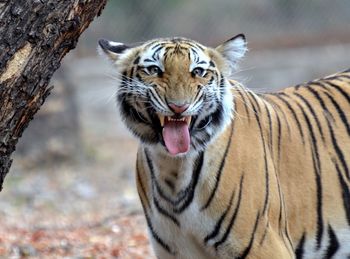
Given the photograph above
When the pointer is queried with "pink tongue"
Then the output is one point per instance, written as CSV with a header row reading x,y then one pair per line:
x,y
176,137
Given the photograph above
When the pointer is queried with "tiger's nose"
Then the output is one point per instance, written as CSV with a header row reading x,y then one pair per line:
x,y
178,108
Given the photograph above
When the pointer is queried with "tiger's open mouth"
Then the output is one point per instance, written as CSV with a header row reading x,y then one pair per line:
x,y
176,133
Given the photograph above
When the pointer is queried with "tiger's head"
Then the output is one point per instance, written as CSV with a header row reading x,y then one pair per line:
x,y
174,92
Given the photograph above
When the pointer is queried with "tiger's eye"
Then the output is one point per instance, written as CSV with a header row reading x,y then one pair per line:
x,y
153,70
198,71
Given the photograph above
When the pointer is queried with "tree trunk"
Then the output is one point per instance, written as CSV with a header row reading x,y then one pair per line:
x,y
34,37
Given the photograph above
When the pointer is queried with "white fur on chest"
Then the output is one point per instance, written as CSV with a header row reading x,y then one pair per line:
x,y
185,238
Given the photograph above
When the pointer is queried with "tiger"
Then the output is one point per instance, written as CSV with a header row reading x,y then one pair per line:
x,y
223,172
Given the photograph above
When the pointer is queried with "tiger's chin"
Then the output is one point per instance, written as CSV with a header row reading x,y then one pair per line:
x,y
177,135
174,136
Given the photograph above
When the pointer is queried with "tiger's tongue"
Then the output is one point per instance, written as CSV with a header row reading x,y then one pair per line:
x,y
176,136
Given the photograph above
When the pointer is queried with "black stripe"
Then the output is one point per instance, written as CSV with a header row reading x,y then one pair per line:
x,y
345,191
193,184
340,113
233,218
243,100
333,245
193,45
170,184
222,82
124,78
155,55
196,96
136,61
132,70
143,190
219,172
280,206
340,154
339,89
270,128
255,100
279,137
345,76
195,54
149,60
286,226
321,101
129,111
279,110
290,108
299,251
314,115
217,115
246,251
189,55
156,237
164,212
211,80
155,99
218,224
265,233
159,45
298,86
118,49
138,76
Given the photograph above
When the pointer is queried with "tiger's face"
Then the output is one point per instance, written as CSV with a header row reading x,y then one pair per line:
x,y
175,92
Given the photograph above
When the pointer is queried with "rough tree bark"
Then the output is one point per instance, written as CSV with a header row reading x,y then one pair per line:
x,y
34,37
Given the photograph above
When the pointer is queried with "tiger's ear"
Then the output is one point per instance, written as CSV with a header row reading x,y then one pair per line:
x,y
233,49
110,49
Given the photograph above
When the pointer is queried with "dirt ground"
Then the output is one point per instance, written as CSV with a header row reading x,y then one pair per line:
x,y
80,210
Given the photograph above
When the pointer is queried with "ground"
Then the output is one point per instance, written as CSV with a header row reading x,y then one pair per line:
x,y
72,211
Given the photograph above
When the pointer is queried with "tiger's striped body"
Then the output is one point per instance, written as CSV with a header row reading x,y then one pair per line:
x,y
270,180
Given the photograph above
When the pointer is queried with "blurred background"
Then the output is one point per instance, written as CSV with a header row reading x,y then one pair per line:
x,y
71,192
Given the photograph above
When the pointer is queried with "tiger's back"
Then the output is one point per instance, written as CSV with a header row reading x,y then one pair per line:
x,y
298,139
223,172
313,164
